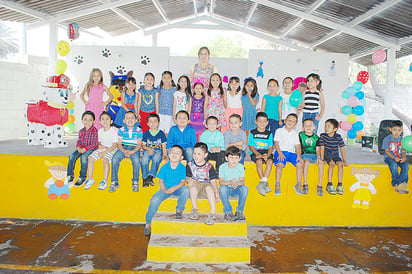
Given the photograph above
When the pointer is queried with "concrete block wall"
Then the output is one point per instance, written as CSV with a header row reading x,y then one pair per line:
x,y
19,83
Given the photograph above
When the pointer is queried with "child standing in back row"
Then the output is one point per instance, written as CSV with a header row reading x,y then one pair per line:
x,y
129,102
314,101
166,90
234,100
147,100
181,97
196,109
250,98
215,100
272,106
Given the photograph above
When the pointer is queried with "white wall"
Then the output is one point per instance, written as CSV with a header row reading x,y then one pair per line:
x,y
19,83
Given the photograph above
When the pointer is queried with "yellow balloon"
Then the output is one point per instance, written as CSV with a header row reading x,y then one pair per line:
x,y
352,118
70,105
63,48
60,66
71,119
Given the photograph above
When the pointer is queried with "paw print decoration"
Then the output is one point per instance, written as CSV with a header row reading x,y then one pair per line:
x,y
106,53
144,60
121,70
78,59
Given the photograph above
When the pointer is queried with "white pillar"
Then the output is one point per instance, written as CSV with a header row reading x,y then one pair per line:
x,y
154,39
390,84
52,47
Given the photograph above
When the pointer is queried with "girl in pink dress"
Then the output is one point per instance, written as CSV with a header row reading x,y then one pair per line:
x,y
94,90
215,100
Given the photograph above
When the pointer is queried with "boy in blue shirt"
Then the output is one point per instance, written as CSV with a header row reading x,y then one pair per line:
x,y
215,142
154,145
261,147
172,176
395,156
235,136
183,135
232,183
130,142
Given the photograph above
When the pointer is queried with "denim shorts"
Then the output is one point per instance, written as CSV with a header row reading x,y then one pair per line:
x,y
335,157
311,157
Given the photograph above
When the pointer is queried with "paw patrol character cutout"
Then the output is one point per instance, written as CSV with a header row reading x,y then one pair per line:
x,y
364,189
57,185
117,85
45,118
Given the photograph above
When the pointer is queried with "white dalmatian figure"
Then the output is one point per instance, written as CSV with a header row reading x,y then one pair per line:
x,y
45,118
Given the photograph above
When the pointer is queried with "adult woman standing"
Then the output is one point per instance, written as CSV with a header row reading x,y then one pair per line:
x,y
202,71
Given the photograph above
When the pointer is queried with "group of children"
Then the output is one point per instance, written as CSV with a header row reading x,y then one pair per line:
x,y
203,127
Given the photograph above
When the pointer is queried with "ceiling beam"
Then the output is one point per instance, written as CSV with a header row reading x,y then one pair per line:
x,y
160,10
124,15
329,24
23,9
405,40
195,6
385,5
313,7
252,10
173,24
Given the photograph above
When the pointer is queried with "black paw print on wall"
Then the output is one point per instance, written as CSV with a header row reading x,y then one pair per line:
x,y
78,59
144,60
120,69
106,53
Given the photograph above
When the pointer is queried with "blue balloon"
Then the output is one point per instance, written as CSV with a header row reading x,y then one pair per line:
x,y
360,95
346,110
358,110
357,126
295,98
352,134
71,111
357,85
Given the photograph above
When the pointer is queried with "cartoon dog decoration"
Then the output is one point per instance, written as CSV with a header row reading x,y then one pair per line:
x,y
45,118
57,185
364,189
117,86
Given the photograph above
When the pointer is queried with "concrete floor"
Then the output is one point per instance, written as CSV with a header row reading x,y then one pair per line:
x,y
37,246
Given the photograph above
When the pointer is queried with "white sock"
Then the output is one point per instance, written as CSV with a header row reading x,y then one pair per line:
x,y
264,179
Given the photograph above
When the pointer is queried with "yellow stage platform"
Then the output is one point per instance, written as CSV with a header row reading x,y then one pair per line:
x,y
23,195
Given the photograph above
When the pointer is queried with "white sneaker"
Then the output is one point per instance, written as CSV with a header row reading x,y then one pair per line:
x,y
102,185
89,184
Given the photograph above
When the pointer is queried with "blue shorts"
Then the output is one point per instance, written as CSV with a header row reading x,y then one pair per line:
x,y
310,157
334,157
290,157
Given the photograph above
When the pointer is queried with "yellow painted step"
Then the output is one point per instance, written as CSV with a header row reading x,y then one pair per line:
x,y
169,205
190,249
165,223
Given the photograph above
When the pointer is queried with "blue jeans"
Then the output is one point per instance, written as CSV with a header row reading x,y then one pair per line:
x,y
307,115
273,126
83,160
242,156
187,154
240,191
397,178
160,196
118,157
156,159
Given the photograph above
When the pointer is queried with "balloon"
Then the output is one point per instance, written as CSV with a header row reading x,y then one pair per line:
x,y
63,48
70,105
297,81
363,76
378,56
60,66
68,128
352,118
358,110
352,134
346,126
360,95
407,143
357,126
350,91
295,98
362,102
71,119
346,110
353,101
357,85
71,111
73,31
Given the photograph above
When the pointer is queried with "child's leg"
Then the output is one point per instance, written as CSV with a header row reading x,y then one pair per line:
x,y
117,158
83,166
243,191
135,158
193,194
212,200
320,173
330,170
259,168
220,159
306,171
268,169
156,160
106,169
155,202
72,162
145,164
183,194
340,171
90,166
403,176
299,172
224,192
393,167
279,168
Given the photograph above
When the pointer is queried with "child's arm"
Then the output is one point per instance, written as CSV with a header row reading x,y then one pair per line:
x,y
252,101
157,102
214,186
205,106
174,109
253,149
151,150
108,149
86,102
238,144
403,156
120,147
105,103
322,106
322,153
164,156
262,108
189,106
270,150
222,182
280,112
137,105
298,153
239,182
174,188
277,147
388,152
318,157
342,150
224,99
137,148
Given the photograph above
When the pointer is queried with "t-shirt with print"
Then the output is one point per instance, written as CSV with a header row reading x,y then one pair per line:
x,y
148,99
154,140
394,145
308,143
107,138
260,140
204,173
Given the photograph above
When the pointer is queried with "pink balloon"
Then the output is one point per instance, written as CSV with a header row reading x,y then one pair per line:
x,y
346,126
297,81
353,101
378,56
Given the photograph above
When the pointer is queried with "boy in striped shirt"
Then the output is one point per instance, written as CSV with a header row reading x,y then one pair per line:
x,y
330,142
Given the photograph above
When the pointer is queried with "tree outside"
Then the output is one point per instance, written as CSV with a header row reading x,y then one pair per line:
x,y
8,44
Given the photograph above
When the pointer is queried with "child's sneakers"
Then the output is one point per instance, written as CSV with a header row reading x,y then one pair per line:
x,y
331,189
402,188
210,220
305,189
240,216
145,182
179,215
70,179
147,230
194,215
261,188
79,182
135,186
277,189
267,188
230,217
339,189
319,190
150,180
114,186
102,185
89,184
297,189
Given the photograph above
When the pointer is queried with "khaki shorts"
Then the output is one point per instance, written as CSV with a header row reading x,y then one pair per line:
x,y
201,188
